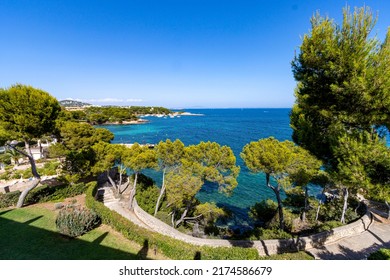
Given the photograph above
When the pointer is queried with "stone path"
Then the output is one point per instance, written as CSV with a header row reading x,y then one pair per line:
x,y
356,247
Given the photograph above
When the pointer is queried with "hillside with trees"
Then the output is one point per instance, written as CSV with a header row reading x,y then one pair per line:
x,y
110,114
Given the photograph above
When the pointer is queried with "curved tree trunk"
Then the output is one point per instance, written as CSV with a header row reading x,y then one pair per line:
x,y
34,171
345,195
25,192
114,186
276,190
132,192
122,171
173,218
162,191
178,222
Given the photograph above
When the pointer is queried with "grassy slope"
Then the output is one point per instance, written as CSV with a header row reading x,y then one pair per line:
x,y
30,233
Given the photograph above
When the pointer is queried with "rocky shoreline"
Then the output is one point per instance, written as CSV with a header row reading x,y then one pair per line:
x,y
139,121
143,121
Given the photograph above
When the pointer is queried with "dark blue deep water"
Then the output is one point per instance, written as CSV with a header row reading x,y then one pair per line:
x,y
232,127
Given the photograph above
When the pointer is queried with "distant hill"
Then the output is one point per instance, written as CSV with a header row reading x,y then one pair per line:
x,y
73,103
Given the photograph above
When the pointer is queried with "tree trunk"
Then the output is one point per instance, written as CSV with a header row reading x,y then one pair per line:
x,y
276,190
126,185
173,218
40,149
303,218
280,208
25,192
388,210
162,191
37,177
178,222
345,195
133,190
116,192
120,182
319,204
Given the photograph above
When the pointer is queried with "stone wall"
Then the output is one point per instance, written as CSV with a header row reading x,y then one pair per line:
x,y
264,247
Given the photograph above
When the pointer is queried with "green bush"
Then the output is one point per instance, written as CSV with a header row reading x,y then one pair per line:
x,y
5,176
170,247
147,193
263,211
74,220
46,193
381,254
9,199
43,193
49,168
266,233
331,211
327,226
289,217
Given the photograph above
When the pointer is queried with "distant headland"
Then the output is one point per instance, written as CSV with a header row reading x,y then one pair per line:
x,y
116,115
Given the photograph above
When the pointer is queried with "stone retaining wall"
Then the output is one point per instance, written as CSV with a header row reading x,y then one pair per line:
x,y
264,247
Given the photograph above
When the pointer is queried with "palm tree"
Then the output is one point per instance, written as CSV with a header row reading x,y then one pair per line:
x,y
14,156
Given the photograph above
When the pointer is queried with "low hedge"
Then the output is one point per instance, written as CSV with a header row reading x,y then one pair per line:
x,y
172,248
43,193
46,193
9,199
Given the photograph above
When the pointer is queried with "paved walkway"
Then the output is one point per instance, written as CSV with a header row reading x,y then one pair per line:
x,y
356,247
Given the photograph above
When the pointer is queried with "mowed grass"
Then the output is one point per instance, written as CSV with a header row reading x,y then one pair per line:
x,y
30,233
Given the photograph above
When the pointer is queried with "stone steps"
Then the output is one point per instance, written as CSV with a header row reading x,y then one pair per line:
x,y
106,195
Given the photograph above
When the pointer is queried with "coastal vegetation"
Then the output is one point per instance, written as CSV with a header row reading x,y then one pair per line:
x,y
111,114
287,163
341,113
26,113
339,122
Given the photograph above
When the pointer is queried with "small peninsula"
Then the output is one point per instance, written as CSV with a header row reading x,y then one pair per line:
x,y
115,115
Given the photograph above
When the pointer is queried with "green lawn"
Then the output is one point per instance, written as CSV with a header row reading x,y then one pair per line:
x,y
30,233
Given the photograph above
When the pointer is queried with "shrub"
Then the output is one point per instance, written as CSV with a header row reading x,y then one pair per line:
x,y
327,226
381,254
288,220
74,220
331,211
9,199
5,176
265,234
147,198
49,168
46,193
264,211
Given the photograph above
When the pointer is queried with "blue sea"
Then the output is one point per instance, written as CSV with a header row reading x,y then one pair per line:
x,y
232,127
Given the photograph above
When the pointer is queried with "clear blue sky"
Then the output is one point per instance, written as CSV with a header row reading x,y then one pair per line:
x,y
178,54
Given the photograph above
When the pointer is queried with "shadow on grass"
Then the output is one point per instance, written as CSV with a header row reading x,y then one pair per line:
x,y
22,241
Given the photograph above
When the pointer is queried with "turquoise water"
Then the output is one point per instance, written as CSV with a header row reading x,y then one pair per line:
x,y
232,127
